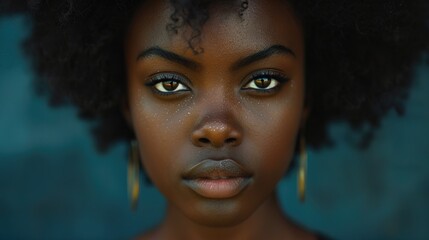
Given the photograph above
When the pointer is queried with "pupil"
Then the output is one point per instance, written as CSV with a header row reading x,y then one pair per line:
x,y
263,82
170,85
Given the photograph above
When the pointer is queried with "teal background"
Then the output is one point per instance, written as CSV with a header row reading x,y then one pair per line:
x,y
54,185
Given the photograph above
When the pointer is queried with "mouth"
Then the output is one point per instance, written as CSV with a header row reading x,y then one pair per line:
x,y
217,179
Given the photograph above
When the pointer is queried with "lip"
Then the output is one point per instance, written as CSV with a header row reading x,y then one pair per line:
x,y
217,178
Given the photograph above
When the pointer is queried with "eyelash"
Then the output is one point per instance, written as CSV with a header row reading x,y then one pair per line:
x,y
270,74
164,77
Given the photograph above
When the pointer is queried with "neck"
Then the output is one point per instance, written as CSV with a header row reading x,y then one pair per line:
x,y
267,222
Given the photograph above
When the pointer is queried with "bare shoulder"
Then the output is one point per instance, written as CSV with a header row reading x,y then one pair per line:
x,y
149,235
307,235
295,231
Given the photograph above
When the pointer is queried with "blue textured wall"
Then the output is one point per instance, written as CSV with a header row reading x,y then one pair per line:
x,y
53,185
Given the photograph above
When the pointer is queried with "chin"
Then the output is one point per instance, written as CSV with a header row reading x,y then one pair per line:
x,y
219,213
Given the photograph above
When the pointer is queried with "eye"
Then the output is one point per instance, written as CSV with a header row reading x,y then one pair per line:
x,y
170,86
265,80
167,83
262,83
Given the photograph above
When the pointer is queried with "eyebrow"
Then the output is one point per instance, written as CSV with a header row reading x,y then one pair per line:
x,y
272,50
157,51
267,52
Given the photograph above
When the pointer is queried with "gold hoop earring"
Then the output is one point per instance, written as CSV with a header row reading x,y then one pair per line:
x,y
133,174
302,171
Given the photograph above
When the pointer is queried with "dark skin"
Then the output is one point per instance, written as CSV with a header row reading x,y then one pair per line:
x,y
241,99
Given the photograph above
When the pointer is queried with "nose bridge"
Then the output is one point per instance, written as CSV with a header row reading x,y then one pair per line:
x,y
217,105
217,125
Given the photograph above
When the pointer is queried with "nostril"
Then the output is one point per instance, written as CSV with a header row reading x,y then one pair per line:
x,y
230,140
204,140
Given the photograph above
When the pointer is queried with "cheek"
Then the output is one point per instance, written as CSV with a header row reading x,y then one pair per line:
x,y
273,135
152,145
161,132
276,149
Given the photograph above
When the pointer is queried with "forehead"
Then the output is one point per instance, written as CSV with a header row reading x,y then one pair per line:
x,y
263,23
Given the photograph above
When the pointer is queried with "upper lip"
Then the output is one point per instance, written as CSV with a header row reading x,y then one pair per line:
x,y
216,169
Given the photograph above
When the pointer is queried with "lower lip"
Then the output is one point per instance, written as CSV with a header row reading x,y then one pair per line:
x,y
218,188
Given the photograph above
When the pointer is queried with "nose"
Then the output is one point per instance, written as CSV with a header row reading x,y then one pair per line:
x,y
217,132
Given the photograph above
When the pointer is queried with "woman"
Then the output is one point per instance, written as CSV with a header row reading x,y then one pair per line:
x,y
218,96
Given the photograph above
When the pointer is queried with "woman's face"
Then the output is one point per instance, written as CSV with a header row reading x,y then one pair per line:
x,y
216,130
